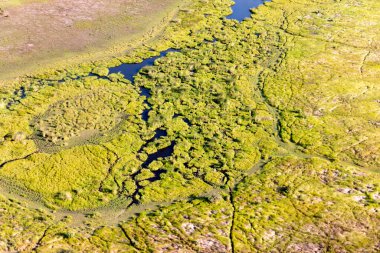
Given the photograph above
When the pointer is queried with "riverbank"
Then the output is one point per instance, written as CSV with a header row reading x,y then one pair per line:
x,y
46,37
267,128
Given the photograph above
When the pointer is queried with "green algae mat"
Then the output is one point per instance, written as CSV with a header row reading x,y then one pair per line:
x,y
259,136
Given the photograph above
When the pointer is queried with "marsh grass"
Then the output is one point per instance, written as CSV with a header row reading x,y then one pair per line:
x,y
281,110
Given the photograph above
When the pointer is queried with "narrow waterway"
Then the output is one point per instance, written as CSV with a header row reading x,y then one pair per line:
x,y
240,11
130,70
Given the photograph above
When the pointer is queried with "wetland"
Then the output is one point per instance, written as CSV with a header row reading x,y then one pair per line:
x,y
245,127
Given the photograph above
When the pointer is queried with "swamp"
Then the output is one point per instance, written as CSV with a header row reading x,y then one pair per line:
x,y
190,126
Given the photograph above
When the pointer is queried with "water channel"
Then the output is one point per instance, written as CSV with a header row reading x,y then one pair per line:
x,y
240,11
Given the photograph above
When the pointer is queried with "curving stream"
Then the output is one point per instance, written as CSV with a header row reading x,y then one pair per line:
x,y
240,11
129,70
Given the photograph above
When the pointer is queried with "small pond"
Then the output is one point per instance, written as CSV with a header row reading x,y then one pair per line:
x,y
242,8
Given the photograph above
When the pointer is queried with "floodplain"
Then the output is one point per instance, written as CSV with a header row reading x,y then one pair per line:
x,y
223,134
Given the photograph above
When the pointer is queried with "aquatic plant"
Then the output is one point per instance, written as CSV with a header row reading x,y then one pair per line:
x,y
268,137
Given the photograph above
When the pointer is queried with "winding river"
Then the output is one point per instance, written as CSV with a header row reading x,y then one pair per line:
x,y
240,11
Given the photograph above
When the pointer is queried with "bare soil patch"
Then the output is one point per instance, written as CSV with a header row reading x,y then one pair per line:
x,y
37,32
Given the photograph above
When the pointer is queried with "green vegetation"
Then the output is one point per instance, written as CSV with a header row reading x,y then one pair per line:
x,y
274,130
311,205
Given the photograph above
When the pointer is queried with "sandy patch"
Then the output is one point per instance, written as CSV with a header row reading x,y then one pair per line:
x,y
40,30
